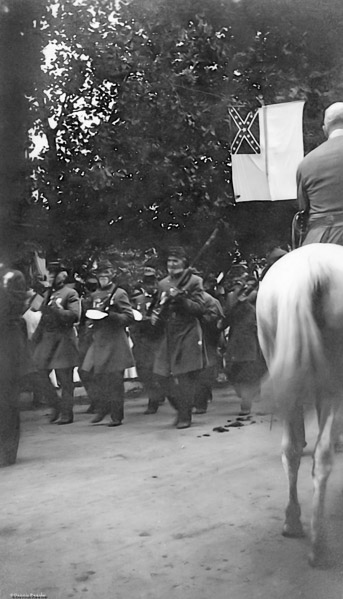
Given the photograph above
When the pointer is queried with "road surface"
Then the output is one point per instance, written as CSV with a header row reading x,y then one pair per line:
x,y
145,511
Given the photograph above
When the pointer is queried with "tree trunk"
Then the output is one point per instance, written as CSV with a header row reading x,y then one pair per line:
x,y
19,62
19,66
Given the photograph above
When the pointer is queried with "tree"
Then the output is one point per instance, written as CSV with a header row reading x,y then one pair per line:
x,y
134,108
19,64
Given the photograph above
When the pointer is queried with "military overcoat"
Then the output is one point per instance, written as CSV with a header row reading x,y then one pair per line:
x,y
181,348
55,338
210,323
109,350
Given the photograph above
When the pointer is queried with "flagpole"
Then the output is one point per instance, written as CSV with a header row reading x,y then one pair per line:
x,y
265,130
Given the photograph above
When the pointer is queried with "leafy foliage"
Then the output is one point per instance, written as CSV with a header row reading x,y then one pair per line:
x,y
133,106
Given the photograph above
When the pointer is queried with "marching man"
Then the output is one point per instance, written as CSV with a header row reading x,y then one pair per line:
x,y
55,343
109,353
180,353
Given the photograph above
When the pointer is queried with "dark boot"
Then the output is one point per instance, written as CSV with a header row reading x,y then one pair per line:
x,y
9,433
98,418
183,424
65,379
152,406
50,393
115,392
115,423
184,418
55,414
155,395
185,389
202,394
66,419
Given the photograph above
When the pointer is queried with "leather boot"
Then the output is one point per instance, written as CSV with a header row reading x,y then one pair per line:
x,y
183,424
54,416
98,418
67,419
152,406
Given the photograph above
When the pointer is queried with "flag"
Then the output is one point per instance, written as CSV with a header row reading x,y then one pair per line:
x,y
246,130
266,149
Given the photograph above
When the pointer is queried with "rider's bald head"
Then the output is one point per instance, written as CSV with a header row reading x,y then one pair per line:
x,y
333,118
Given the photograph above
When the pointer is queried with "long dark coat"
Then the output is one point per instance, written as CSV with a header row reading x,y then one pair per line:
x,y
109,350
181,348
243,348
55,338
242,343
212,332
144,335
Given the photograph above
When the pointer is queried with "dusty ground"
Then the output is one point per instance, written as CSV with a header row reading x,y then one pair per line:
x,y
145,511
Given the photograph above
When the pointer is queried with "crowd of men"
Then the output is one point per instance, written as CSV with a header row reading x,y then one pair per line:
x,y
171,330
175,338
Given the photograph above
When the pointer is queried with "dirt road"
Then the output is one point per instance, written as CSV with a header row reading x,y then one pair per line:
x,y
145,511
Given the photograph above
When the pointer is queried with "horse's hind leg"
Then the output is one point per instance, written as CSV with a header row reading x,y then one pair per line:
x,y
293,441
322,466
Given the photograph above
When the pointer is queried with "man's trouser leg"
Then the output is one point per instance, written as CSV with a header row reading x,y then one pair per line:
x,y
185,385
151,386
65,379
50,393
248,391
37,395
203,389
86,380
167,388
97,394
115,394
9,419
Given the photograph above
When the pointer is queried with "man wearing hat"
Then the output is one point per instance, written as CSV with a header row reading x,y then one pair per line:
x,y
180,352
109,353
211,323
244,362
145,338
56,343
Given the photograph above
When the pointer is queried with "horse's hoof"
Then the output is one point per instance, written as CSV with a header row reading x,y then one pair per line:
x,y
293,532
319,556
319,560
313,560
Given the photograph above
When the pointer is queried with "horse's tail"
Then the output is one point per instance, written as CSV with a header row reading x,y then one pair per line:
x,y
290,335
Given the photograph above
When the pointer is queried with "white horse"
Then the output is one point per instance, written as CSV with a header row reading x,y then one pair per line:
x,y
300,327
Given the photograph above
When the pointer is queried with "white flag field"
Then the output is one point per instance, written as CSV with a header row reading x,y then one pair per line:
x,y
269,172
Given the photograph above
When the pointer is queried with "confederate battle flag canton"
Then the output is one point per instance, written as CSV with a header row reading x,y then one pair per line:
x,y
245,132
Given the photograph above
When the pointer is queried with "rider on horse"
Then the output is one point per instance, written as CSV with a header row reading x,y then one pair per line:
x,y
320,184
